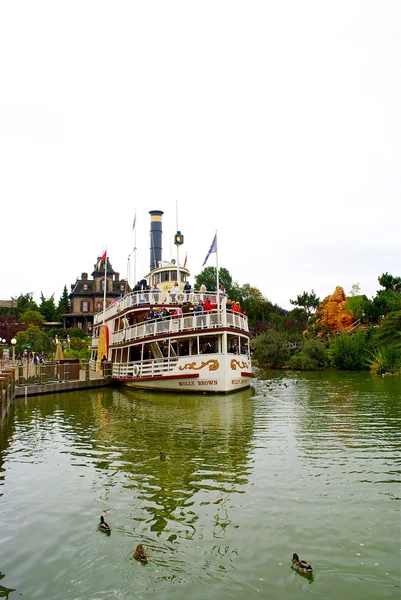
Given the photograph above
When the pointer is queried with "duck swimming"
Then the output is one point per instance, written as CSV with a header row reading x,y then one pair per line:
x,y
103,526
140,554
163,456
301,565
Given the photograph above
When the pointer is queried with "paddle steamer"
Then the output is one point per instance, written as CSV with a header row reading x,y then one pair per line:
x,y
179,349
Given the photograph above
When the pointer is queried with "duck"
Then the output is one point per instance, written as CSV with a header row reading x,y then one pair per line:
x,y
162,456
103,526
301,565
140,554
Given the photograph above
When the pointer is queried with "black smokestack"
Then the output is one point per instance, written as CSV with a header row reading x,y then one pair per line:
x,y
155,238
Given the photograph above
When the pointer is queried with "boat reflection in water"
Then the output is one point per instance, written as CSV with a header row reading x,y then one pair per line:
x,y
206,442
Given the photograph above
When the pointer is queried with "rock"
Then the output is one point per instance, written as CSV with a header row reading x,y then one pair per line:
x,y
333,313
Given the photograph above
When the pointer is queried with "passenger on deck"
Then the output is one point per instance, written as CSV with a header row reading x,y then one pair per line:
x,y
236,307
202,291
207,305
200,317
151,314
156,292
234,347
174,291
186,307
178,312
187,287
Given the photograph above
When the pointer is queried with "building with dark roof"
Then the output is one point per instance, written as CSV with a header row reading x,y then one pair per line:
x,y
87,295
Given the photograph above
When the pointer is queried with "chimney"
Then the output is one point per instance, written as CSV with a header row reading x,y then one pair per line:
x,y
155,238
116,276
84,276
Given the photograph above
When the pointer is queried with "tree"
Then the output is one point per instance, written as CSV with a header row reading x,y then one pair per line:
x,y
47,308
209,277
389,282
34,338
384,302
309,302
32,317
25,302
63,304
355,290
253,303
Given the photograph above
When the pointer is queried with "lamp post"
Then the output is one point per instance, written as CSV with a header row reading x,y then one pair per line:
x,y
13,342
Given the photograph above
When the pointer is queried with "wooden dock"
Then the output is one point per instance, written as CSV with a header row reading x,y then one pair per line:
x,y
45,379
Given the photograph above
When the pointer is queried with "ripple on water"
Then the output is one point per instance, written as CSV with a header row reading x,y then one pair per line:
x,y
304,465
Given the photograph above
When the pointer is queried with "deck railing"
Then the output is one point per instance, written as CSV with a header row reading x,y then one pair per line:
x,y
173,324
153,299
147,368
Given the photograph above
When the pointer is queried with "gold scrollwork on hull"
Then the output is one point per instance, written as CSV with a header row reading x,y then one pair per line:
x,y
241,364
212,363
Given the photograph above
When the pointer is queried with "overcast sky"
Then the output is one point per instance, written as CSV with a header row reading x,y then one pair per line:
x,y
278,124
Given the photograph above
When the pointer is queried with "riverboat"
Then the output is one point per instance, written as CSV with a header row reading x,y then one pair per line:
x,y
153,338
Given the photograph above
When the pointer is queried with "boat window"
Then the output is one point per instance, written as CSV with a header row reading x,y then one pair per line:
x,y
164,275
183,276
183,347
156,278
208,344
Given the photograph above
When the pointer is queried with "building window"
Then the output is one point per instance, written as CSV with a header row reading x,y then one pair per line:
x,y
99,306
102,285
85,306
85,286
121,288
79,324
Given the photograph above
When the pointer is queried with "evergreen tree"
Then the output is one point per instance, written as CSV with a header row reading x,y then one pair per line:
x,y
47,308
63,304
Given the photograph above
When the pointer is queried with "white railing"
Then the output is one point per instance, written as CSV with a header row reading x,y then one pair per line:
x,y
188,322
151,298
147,368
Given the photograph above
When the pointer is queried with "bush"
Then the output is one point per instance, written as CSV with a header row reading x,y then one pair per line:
x,y
312,357
270,351
348,352
76,332
385,360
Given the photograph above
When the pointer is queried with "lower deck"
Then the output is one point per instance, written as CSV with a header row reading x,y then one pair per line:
x,y
218,361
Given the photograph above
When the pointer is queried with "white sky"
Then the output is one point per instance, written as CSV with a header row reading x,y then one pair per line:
x,y
276,123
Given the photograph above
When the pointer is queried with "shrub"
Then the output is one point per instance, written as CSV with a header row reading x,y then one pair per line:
x,y
385,360
348,352
312,357
270,350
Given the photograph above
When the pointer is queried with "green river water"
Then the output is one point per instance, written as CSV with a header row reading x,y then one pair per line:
x,y
306,463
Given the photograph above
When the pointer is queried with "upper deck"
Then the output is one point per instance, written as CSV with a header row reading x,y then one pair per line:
x,y
135,301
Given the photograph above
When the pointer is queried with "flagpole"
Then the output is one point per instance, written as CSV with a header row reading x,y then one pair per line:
x,y
105,286
135,249
176,219
217,270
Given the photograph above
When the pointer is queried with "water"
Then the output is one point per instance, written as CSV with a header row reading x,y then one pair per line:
x,y
305,463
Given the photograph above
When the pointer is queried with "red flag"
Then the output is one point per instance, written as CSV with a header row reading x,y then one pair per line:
x,y
103,257
185,261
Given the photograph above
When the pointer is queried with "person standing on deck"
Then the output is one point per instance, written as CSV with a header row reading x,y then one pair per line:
x,y
174,292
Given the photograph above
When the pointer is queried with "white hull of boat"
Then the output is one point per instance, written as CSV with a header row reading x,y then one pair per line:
x,y
215,373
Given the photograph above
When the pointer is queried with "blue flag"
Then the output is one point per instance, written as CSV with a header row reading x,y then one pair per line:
x,y
213,248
